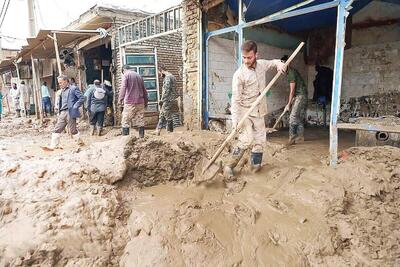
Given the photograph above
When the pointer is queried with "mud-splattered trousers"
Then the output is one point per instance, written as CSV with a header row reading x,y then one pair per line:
x,y
168,99
247,85
297,116
167,109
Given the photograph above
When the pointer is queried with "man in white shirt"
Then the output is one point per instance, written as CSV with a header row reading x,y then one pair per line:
x,y
15,96
248,83
25,99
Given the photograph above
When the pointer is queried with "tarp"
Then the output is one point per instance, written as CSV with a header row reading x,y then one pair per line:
x,y
256,9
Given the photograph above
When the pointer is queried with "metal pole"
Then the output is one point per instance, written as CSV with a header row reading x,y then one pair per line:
x,y
32,20
342,14
36,93
78,56
18,76
57,53
240,33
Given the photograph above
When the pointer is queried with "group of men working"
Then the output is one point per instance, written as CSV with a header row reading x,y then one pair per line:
x,y
132,99
247,84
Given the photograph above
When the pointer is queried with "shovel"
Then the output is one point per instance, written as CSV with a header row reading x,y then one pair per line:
x,y
273,129
210,169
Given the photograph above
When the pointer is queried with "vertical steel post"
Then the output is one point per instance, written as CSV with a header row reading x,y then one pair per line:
x,y
342,14
240,33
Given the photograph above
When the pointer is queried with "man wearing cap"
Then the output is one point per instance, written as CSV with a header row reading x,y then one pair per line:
x,y
297,102
133,98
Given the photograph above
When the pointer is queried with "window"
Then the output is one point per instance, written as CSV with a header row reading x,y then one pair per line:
x,y
140,60
144,65
152,96
147,71
150,84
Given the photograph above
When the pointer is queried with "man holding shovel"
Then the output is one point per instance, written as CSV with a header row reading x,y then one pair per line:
x,y
248,83
298,96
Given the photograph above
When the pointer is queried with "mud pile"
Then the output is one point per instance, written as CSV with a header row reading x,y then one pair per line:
x,y
125,202
365,220
65,210
155,161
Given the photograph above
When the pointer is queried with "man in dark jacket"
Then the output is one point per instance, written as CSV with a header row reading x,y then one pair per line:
x,y
133,98
97,104
323,83
69,102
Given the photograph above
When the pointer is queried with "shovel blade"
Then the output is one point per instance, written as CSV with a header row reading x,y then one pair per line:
x,y
202,174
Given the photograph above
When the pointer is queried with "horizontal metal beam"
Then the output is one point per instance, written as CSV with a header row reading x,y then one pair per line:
x,y
294,13
149,37
369,127
235,28
275,17
76,31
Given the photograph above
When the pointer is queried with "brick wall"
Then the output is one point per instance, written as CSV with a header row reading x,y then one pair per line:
x,y
191,63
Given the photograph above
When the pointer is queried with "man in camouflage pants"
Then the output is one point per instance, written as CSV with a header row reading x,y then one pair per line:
x,y
168,101
298,97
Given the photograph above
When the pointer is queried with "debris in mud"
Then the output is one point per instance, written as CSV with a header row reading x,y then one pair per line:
x,y
154,161
365,221
121,203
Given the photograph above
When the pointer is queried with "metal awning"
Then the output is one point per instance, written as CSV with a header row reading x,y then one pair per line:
x,y
42,46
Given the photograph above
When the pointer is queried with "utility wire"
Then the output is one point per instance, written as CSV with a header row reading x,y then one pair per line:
x,y
5,13
2,8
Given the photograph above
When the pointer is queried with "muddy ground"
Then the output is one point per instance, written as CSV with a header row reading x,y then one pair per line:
x,y
121,201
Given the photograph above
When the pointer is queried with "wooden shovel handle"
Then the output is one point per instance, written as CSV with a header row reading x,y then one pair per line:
x,y
250,110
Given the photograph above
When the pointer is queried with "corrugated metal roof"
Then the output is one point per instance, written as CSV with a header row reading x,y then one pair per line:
x,y
256,9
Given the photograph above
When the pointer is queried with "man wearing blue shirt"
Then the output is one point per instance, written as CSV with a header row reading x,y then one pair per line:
x,y
46,102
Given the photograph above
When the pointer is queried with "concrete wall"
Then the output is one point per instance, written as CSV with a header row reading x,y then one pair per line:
x,y
371,80
222,66
371,65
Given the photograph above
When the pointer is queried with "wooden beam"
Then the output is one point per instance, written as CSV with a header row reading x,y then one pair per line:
x,y
57,53
36,93
369,127
208,4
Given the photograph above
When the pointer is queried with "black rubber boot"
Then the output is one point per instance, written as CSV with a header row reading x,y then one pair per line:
x,y
125,131
141,132
170,126
256,160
